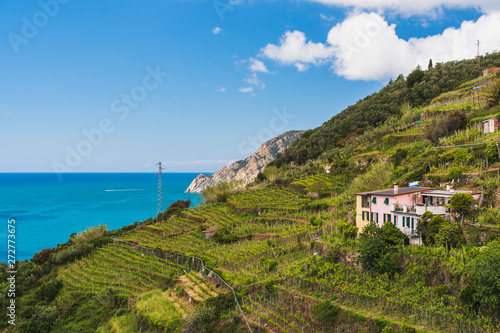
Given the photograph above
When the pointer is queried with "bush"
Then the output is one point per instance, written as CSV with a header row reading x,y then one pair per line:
x,y
315,221
89,233
41,257
270,286
347,229
449,235
72,253
325,312
224,236
210,193
407,329
222,197
454,174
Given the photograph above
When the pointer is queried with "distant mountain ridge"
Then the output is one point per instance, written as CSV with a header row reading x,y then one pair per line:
x,y
247,169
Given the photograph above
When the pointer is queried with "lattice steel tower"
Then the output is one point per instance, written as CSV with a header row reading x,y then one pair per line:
x,y
159,207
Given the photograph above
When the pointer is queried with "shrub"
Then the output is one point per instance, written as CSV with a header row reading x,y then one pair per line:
x,y
89,233
210,193
222,197
407,329
72,253
449,235
347,229
454,173
224,236
325,312
315,221
270,286
41,257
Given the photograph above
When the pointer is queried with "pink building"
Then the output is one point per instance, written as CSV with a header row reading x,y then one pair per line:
x,y
404,206
382,206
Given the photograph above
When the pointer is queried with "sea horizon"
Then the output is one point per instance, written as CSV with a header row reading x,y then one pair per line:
x,y
48,210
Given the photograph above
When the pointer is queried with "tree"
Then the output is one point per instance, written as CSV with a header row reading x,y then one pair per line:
x,y
375,247
462,202
449,235
430,64
429,226
423,227
415,77
485,269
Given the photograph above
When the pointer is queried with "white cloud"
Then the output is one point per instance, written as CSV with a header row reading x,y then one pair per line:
x,y
326,18
412,7
216,30
301,67
366,47
220,89
293,48
253,80
246,90
257,66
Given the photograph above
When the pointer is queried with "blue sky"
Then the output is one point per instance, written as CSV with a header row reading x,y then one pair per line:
x,y
118,86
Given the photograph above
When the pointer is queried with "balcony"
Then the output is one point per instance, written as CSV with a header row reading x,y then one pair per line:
x,y
402,209
420,209
434,209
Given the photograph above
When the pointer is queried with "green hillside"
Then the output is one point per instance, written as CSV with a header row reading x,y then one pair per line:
x,y
284,254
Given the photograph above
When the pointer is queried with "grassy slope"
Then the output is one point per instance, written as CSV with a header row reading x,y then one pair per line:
x,y
277,246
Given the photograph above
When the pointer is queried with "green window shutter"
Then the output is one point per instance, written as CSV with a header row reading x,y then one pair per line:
x,y
386,201
389,217
408,222
374,200
412,221
363,216
384,218
376,217
371,216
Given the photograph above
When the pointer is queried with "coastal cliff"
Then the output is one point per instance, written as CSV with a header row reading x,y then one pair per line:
x,y
247,169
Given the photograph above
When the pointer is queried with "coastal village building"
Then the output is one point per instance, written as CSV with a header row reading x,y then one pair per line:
x,y
491,70
490,125
403,207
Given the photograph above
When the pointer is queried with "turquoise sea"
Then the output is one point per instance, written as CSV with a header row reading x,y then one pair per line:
x,y
47,210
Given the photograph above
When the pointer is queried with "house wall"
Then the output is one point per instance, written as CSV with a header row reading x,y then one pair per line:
x,y
359,214
381,208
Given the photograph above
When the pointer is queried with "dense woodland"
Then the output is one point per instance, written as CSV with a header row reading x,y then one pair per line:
x,y
418,89
283,254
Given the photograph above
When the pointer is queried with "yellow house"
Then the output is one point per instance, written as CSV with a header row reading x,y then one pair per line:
x,y
362,210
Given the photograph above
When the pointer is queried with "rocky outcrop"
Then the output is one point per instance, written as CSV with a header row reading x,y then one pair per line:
x,y
247,169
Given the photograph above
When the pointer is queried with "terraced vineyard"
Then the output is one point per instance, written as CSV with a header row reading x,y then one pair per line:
x,y
176,225
217,215
120,268
269,198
